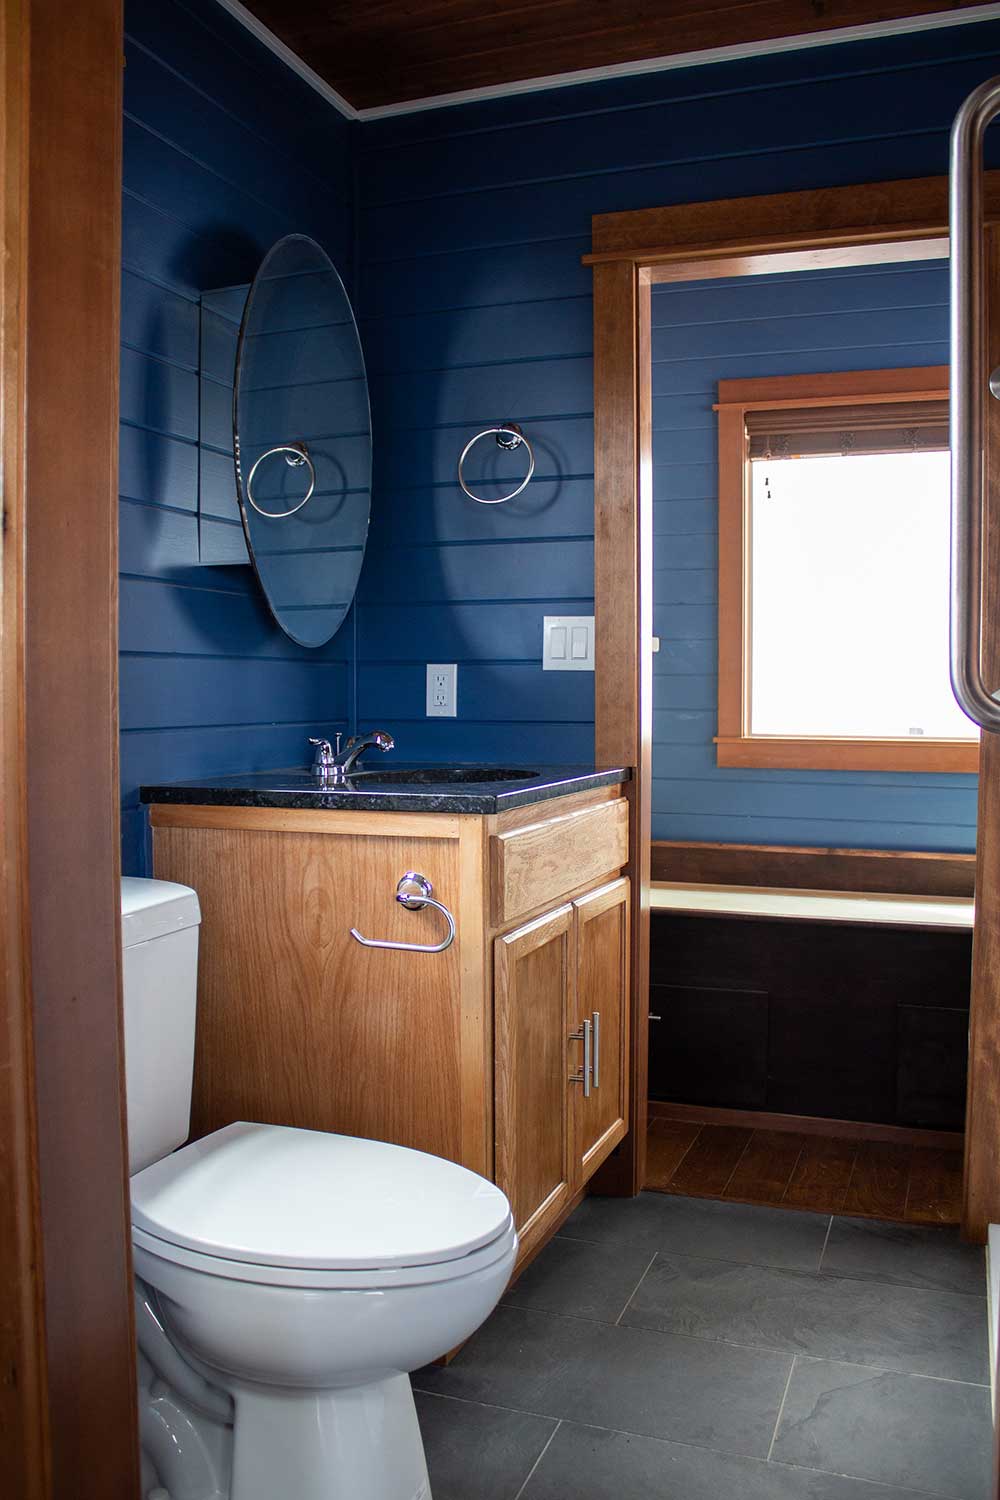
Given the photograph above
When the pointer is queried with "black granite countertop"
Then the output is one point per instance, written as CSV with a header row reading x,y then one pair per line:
x,y
393,787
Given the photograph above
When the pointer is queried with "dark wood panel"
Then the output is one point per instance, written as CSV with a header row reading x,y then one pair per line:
x,y
841,1022
832,1052
383,53
909,873
932,1066
709,1045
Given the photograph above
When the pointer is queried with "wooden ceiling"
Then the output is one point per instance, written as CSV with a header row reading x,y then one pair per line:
x,y
379,52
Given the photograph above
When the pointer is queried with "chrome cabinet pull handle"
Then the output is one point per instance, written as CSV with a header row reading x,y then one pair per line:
x,y
585,1074
597,1048
414,892
968,387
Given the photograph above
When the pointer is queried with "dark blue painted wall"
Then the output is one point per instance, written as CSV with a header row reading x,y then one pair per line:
x,y
476,307
225,150
470,223
865,318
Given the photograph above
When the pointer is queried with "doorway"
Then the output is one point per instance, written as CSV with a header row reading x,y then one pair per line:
x,y
832,232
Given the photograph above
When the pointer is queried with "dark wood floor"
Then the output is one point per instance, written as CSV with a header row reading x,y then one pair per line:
x,y
866,1179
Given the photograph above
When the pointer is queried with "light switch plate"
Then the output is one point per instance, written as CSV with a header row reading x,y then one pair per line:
x,y
442,690
568,643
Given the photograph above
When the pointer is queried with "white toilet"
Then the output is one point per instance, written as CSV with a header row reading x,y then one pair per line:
x,y
287,1279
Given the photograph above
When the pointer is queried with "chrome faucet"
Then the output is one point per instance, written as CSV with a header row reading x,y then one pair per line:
x,y
358,744
333,765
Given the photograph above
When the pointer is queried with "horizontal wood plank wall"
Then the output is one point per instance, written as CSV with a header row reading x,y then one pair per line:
x,y
901,872
819,323
473,221
225,151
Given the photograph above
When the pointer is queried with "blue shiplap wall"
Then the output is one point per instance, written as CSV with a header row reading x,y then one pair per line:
x,y
470,224
225,150
865,318
475,305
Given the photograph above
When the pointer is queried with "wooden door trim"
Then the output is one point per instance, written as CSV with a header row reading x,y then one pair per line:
x,y
23,1391
826,224
866,215
623,607
68,1297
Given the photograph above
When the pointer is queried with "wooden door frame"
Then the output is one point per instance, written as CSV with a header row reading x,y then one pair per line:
x,y
887,221
67,1378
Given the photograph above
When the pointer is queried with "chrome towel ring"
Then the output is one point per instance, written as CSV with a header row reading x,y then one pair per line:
x,y
414,892
296,454
508,435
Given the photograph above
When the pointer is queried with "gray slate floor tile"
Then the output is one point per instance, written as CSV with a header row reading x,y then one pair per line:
x,y
931,1435
580,1280
710,1394
587,1463
906,1254
478,1450
894,1327
701,1226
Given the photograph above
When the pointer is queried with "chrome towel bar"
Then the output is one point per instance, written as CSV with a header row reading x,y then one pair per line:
x,y
414,892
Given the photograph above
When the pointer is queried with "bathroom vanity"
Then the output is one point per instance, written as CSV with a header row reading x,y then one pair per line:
x,y
505,1050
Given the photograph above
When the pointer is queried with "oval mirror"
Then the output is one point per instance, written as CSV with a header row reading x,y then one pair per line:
x,y
302,439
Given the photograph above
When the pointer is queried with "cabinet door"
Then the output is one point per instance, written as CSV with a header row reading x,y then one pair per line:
x,y
532,999
600,1103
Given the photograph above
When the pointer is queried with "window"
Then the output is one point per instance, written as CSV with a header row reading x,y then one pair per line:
x,y
833,574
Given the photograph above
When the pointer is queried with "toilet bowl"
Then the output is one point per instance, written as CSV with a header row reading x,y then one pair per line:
x,y
288,1282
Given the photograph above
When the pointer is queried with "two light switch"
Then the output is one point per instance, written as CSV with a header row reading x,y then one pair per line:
x,y
568,643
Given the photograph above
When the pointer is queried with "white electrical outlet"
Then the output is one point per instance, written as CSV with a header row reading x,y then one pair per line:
x,y
442,690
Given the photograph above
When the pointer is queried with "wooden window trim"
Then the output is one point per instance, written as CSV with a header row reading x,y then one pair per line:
x,y
736,746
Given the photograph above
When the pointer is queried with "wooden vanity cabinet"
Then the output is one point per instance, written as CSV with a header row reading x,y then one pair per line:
x,y
466,1053
561,1096
534,994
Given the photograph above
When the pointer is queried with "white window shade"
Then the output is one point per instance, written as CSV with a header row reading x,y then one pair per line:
x,y
849,597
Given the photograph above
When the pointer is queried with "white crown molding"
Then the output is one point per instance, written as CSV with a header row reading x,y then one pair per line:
x,y
901,27
289,58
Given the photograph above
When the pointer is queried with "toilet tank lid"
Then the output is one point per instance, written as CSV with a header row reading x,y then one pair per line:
x,y
155,908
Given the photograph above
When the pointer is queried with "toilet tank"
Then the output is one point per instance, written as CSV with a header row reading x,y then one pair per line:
x,y
160,978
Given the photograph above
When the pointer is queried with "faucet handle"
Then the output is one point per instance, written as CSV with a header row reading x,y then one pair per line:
x,y
325,756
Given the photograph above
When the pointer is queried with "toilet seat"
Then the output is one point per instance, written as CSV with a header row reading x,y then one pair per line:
x,y
281,1206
